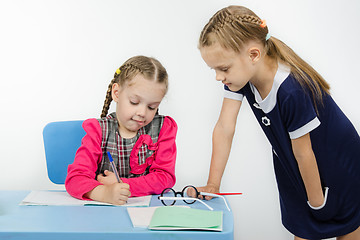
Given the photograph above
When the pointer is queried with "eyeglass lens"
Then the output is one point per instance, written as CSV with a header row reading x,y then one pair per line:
x,y
169,193
190,191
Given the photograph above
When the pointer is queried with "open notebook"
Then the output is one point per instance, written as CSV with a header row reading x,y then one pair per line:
x,y
62,198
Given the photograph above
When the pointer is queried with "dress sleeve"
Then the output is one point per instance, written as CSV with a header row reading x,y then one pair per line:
x,y
81,177
162,170
239,95
299,113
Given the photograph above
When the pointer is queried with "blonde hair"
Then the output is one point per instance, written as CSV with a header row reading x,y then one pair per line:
x,y
234,26
149,67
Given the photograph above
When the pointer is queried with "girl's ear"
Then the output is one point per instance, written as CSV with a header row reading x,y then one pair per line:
x,y
254,54
115,90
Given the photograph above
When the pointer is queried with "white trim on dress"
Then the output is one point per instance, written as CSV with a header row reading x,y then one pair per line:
x,y
305,129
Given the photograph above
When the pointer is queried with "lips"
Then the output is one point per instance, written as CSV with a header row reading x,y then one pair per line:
x,y
227,84
139,122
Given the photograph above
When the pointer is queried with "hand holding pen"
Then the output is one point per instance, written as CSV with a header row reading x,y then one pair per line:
x,y
209,191
112,190
109,177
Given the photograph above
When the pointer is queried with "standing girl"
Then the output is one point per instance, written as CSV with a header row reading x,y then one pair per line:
x,y
141,142
316,149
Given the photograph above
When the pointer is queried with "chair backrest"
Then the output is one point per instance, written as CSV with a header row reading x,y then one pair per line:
x,y
61,141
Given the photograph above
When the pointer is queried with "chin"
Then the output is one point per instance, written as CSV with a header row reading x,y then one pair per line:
x,y
234,88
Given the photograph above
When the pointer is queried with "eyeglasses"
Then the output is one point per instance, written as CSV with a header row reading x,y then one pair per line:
x,y
189,195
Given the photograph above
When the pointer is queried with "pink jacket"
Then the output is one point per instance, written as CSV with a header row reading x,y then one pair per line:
x,y
81,176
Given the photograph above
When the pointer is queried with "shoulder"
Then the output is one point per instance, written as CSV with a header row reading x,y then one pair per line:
x,y
168,130
92,129
169,125
291,91
161,121
290,85
108,119
91,125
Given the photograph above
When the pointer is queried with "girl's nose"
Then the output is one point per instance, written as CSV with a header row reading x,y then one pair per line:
x,y
141,110
219,77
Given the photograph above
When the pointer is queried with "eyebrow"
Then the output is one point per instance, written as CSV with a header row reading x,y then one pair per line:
x,y
222,65
153,103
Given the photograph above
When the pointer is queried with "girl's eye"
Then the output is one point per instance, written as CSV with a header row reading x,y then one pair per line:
x,y
152,108
133,103
224,69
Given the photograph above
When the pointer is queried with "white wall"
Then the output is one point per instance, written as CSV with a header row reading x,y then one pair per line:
x,y
58,57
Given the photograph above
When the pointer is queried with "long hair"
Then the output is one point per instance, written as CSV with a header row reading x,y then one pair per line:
x,y
149,67
234,26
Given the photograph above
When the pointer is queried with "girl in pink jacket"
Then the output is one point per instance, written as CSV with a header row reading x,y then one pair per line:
x,y
140,141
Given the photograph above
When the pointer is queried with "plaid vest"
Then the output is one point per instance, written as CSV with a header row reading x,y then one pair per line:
x,y
134,156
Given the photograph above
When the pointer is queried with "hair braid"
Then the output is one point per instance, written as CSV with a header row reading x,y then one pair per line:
x,y
108,98
232,27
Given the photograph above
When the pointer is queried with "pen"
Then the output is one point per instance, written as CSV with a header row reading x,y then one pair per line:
x,y
113,167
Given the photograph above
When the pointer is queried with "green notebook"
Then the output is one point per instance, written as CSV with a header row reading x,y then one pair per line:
x,y
181,218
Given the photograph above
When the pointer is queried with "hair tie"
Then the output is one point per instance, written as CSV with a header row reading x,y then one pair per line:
x,y
268,36
118,71
263,23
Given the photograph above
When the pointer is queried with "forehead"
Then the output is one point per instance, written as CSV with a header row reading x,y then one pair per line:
x,y
216,56
145,88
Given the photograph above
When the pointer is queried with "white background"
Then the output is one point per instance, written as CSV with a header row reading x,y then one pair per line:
x,y
58,57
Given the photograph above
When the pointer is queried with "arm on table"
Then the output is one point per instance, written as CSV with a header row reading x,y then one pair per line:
x,y
222,140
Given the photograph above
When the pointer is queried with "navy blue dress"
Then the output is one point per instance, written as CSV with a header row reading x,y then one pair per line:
x,y
288,112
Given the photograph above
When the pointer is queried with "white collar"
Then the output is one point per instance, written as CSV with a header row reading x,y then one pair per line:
x,y
269,102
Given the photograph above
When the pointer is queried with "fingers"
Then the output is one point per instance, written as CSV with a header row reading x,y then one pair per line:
x,y
116,193
121,193
107,178
191,192
208,197
100,177
210,188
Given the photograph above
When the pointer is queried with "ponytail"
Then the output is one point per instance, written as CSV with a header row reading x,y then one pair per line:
x,y
306,75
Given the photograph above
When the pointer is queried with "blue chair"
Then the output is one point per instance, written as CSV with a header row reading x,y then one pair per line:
x,y
61,141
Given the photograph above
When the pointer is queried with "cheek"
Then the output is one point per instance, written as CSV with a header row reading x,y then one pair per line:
x,y
150,115
125,109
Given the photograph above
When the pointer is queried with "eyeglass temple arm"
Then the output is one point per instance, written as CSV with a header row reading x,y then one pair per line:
x,y
185,198
215,195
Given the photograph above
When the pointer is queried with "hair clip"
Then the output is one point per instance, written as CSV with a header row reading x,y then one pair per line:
x,y
118,71
263,23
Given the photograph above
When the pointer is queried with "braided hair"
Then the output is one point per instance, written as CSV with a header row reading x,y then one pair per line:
x,y
234,26
149,67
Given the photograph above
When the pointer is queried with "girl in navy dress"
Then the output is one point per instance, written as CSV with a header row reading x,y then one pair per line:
x,y
316,149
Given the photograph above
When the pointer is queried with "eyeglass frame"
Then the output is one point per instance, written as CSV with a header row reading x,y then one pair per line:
x,y
193,200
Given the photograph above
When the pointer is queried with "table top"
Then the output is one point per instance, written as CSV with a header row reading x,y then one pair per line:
x,y
90,222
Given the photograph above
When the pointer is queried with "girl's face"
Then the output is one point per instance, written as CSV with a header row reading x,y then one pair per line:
x,y
136,103
232,69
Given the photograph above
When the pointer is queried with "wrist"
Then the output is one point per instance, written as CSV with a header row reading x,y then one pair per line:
x,y
97,193
319,201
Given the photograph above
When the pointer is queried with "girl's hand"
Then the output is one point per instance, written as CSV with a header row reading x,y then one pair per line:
x,y
108,179
210,188
117,193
